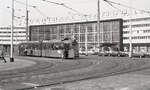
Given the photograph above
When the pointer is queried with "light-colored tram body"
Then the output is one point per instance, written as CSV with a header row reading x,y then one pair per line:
x,y
51,48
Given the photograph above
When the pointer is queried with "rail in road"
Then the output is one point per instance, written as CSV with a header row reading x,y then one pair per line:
x,y
43,67
53,72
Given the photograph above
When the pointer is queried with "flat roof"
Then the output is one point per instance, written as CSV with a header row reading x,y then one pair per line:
x,y
107,20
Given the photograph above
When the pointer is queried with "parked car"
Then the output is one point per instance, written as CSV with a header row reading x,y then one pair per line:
x,y
103,53
89,52
113,53
138,54
147,55
82,52
123,54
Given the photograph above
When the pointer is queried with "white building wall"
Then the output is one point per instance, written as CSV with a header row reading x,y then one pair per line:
x,y
5,35
140,33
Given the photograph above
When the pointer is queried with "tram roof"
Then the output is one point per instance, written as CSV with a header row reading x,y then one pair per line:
x,y
50,41
58,41
30,42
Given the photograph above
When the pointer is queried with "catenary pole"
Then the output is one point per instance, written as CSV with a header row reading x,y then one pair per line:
x,y
98,23
130,36
12,29
27,14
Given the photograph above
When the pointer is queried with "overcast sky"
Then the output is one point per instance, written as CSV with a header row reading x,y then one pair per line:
x,y
46,9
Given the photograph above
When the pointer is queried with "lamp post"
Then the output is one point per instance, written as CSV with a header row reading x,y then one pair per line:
x,y
98,23
12,29
130,36
26,20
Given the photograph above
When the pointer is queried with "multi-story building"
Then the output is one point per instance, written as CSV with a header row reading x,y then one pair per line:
x,y
140,34
110,33
19,35
87,34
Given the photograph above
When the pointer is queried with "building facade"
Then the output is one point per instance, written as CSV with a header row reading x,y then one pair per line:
x,y
87,34
110,33
140,34
19,35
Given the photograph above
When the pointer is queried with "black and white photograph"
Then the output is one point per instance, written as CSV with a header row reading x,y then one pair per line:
x,y
74,45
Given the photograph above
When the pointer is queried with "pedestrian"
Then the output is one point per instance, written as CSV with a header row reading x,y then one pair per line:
x,y
25,52
2,54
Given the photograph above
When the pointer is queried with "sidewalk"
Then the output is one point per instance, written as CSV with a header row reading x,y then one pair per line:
x,y
18,63
118,82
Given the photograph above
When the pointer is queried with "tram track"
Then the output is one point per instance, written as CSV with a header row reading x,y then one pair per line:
x,y
115,70
46,68
78,73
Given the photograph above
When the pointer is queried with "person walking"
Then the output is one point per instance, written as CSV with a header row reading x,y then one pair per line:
x,y
2,54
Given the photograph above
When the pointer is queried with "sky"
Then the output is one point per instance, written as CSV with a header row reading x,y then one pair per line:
x,y
46,12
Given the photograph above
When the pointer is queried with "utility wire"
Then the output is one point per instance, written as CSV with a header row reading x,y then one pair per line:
x,y
64,5
15,9
39,11
113,6
126,6
23,3
53,2
35,7
61,4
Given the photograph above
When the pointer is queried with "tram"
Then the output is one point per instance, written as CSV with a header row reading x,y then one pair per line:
x,y
66,48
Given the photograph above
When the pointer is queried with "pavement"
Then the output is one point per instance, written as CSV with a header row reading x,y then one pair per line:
x,y
18,63
118,82
129,81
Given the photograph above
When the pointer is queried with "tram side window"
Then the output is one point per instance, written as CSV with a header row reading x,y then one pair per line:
x,y
44,46
66,46
55,46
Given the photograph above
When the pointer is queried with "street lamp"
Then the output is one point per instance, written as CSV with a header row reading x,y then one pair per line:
x,y
98,23
12,29
130,36
27,13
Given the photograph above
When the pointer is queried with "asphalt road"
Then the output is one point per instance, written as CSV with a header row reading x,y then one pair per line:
x,y
55,71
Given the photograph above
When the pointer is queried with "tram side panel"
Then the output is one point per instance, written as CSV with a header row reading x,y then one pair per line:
x,y
53,49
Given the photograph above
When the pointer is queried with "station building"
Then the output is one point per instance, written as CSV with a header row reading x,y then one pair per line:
x,y
112,32
86,33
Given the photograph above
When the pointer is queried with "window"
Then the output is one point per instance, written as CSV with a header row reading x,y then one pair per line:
x,y
82,28
82,37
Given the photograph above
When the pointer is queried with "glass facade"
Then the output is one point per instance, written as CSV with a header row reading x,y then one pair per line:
x,y
86,33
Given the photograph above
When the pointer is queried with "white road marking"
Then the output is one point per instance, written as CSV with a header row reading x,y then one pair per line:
x,y
125,88
31,84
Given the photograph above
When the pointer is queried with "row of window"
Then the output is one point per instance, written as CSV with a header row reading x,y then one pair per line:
x,y
137,25
76,28
10,40
14,32
138,37
8,28
13,36
138,19
91,37
144,31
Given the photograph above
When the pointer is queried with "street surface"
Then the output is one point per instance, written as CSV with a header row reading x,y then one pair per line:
x,y
50,73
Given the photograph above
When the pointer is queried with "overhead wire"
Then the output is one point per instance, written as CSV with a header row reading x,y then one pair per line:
x,y
61,4
40,12
108,1
23,3
113,6
35,7
64,5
